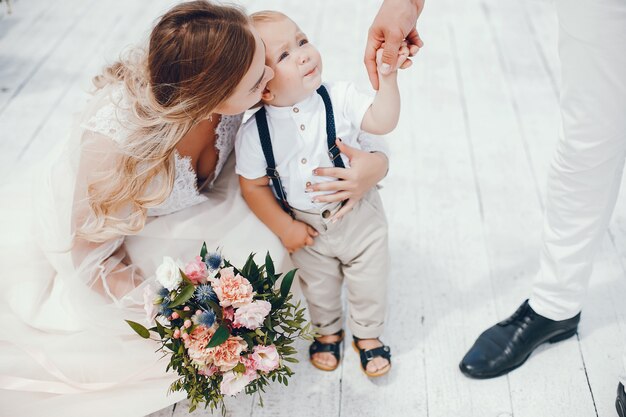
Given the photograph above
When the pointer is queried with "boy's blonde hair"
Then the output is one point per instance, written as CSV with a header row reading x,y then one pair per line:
x,y
265,16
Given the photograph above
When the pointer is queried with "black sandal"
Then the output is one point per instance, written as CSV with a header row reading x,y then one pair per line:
x,y
368,354
334,348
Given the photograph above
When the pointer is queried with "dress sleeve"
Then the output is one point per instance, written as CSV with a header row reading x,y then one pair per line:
x,y
103,266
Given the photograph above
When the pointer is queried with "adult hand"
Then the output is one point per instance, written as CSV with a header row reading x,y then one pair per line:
x,y
394,23
366,170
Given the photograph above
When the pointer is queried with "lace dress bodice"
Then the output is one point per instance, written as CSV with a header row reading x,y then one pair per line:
x,y
111,119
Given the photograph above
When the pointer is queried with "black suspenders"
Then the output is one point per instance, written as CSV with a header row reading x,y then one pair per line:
x,y
266,144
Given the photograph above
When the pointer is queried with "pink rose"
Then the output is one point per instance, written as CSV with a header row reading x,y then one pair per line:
x,y
196,271
232,290
233,383
250,365
226,356
266,358
196,342
251,315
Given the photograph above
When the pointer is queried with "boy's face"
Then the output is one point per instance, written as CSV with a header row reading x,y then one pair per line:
x,y
297,64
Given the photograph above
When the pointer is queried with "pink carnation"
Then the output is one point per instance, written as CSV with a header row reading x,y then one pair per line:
x,y
266,358
196,346
232,290
226,356
228,313
208,370
251,315
196,271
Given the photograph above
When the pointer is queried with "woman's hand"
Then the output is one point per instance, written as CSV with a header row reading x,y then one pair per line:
x,y
366,170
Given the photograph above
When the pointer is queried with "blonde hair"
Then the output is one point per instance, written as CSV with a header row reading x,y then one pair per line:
x,y
265,16
198,53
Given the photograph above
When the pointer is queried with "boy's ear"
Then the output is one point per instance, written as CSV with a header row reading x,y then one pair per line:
x,y
267,96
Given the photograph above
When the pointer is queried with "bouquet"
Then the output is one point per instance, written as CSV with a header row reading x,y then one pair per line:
x,y
226,330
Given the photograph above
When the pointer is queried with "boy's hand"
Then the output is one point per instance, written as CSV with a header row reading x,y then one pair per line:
x,y
298,235
402,61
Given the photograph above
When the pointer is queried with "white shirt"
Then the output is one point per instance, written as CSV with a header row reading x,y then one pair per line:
x,y
299,140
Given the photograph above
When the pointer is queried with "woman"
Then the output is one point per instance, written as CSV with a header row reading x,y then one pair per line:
x,y
145,174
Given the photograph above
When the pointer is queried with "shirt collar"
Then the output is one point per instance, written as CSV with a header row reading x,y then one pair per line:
x,y
305,105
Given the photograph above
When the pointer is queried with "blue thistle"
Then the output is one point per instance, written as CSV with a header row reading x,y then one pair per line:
x,y
165,311
204,293
206,318
213,260
163,292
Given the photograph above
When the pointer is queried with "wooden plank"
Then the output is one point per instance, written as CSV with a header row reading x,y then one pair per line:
x,y
448,250
124,31
26,48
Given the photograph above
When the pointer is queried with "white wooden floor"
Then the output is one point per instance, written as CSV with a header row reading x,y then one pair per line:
x,y
464,195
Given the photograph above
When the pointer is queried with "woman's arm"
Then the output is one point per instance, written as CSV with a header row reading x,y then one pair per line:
x,y
366,170
103,265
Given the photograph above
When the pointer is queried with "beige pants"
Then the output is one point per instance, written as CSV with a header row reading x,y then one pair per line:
x,y
354,248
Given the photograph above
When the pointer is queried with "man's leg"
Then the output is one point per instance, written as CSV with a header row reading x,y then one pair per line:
x,y
582,188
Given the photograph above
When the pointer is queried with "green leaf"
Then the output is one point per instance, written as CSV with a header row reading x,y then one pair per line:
x,y
245,271
269,266
240,368
220,336
183,296
160,329
285,285
216,309
139,329
203,251
185,277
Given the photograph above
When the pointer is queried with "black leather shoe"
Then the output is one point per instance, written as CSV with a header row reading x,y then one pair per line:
x,y
508,344
620,402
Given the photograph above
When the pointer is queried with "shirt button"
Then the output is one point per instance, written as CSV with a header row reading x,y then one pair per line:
x,y
302,127
303,160
296,110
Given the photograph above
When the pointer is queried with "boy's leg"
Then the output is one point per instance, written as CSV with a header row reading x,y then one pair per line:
x,y
320,281
364,253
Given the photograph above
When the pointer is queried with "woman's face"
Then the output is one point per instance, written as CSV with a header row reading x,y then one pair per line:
x,y
248,91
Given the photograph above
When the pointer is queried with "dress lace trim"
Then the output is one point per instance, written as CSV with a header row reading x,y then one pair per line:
x,y
112,120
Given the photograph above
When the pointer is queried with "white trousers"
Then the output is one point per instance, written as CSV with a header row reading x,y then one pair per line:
x,y
587,168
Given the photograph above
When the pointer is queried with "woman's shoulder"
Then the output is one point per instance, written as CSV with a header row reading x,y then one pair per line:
x,y
108,113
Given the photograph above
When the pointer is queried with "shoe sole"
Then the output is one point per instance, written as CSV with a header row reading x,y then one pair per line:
x,y
554,339
384,371
324,367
